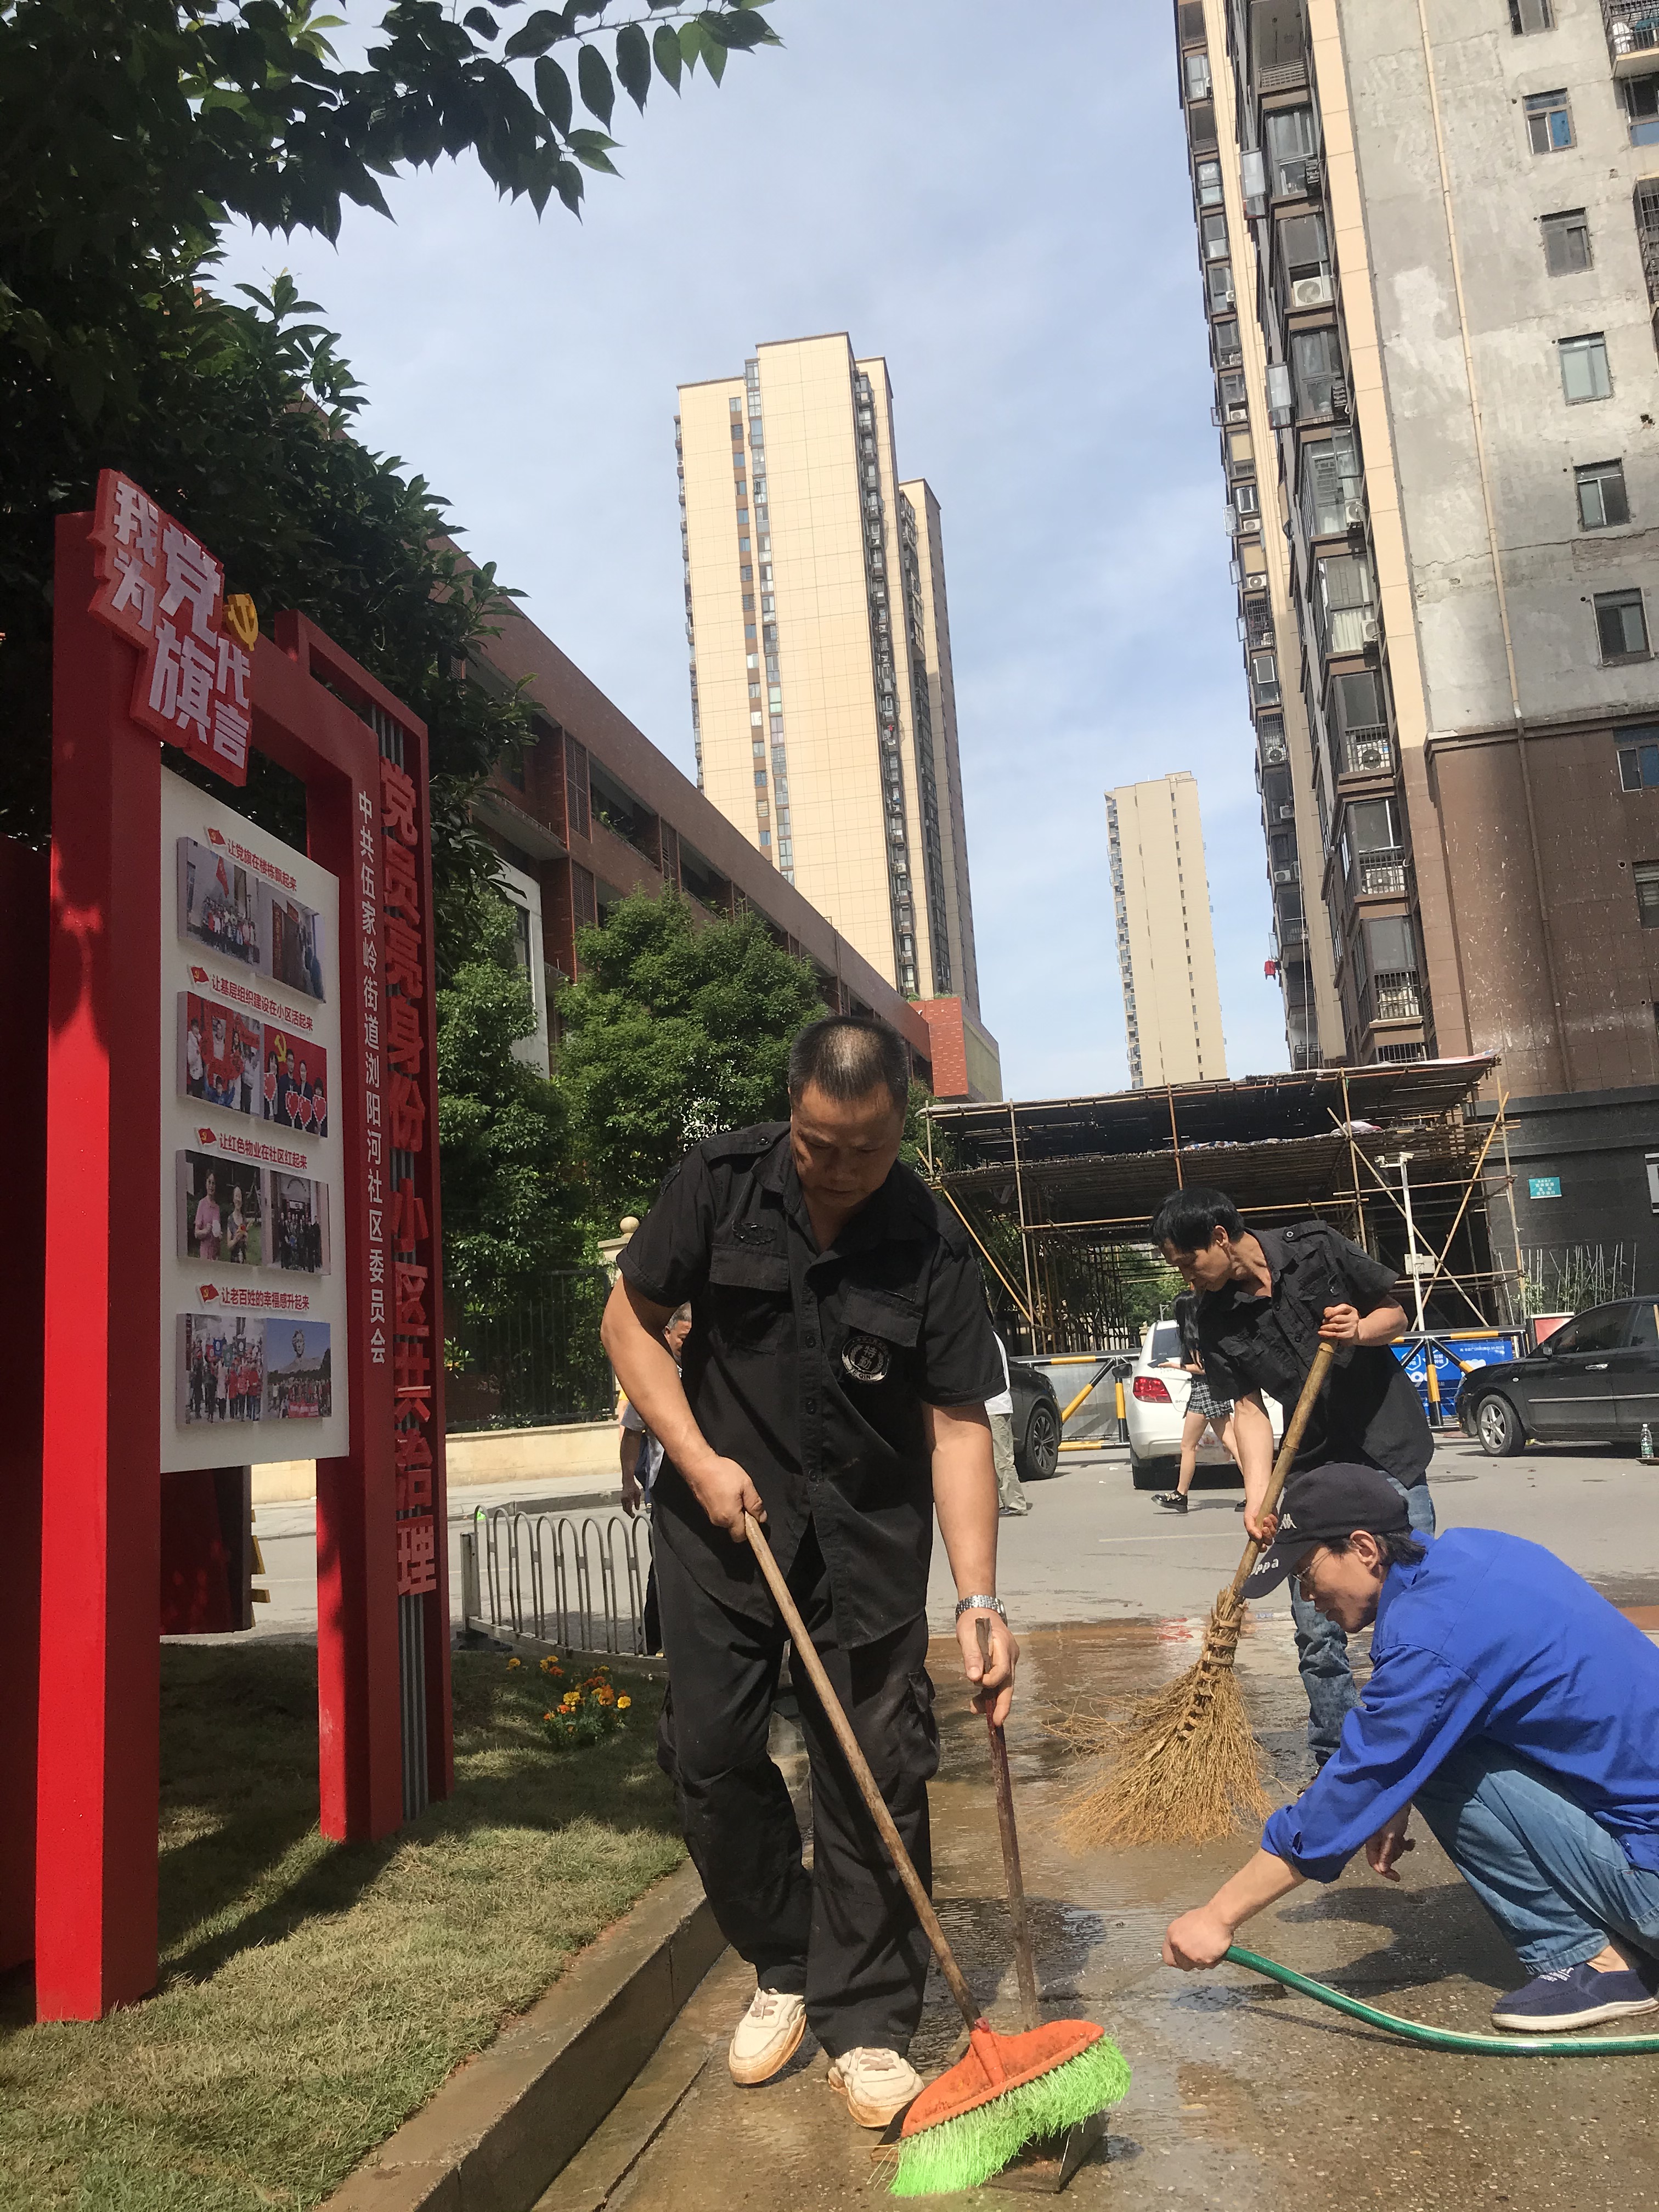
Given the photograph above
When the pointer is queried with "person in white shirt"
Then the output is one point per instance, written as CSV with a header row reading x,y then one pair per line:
x,y
639,1450
1011,1491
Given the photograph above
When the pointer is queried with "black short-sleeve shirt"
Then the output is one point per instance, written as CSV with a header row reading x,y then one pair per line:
x,y
812,1369
1370,1410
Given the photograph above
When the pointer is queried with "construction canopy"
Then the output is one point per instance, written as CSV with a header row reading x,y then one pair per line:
x,y
1092,1171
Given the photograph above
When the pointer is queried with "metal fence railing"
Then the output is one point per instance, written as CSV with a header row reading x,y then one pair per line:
x,y
532,1365
575,1580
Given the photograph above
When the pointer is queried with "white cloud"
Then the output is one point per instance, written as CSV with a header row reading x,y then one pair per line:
x,y
995,200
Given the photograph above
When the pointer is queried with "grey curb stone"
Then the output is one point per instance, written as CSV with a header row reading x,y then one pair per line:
x,y
507,2122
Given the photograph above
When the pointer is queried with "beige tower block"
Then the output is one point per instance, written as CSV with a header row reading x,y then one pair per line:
x,y
1165,943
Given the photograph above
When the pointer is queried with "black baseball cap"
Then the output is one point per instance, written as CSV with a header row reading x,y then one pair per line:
x,y
1320,1505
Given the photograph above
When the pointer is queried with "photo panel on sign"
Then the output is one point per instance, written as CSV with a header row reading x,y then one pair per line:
x,y
219,904
299,1381
299,1224
294,1090
220,1372
293,936
221,1211
219,1054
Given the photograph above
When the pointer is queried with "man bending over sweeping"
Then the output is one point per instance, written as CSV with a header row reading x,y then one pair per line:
x,y
1514,1707
1266,1300
834,1386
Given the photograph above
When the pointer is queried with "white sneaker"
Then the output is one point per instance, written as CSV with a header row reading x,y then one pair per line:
x,y
767,2037
875,2083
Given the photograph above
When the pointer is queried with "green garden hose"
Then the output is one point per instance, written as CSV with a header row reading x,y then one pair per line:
x,y
1445,2038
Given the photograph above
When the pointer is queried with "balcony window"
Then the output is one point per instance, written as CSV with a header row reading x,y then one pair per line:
x,y
1212,232
1347,615
1646,231
1278,60
1549,122
1638,758
1330,485
1209,184
1645,874
1602,500
1196,70
1200,125
1218,279
1566,242
1527,15
1393,958
1642,102
1304,259
1225,339
1316,367
1290,144
1373,848
1621,624
1264,678
1632,29
1359,723
1584,371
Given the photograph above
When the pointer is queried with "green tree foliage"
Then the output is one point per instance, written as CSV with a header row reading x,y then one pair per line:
x,y
673,1033
513,1211
130,132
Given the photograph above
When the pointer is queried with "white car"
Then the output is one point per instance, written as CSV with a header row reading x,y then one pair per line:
x,y
1155,1406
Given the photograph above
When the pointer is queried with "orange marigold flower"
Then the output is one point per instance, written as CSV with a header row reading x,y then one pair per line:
x,y
512,1663
622,1704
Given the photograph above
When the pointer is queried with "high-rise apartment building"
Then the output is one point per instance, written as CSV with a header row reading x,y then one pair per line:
x,y
1430,239
821,684
1165,945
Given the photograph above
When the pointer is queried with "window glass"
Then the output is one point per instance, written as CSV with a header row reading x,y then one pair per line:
x,y
1566,242
1621,624
1639,757
1602,500
1302,244
1549,122
1585,372
1530,16
1316,362
1646,876
1645,1330
1289,141
1371,825
1209,184
1392,951
1358,701
1214,231
1603,1328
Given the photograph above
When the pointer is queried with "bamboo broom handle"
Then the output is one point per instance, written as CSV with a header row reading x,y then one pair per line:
x,y
1019,1919
868,1788
1287,1451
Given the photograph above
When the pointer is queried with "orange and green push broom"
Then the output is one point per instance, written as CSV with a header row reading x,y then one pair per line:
x,y
1009,2090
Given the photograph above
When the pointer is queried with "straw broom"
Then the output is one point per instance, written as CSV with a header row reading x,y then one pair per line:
x,y
1009,2090
1185,1765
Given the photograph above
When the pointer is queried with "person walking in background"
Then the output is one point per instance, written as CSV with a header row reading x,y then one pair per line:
x,y
1204,1409
1010,1490
1266,1300
639,1451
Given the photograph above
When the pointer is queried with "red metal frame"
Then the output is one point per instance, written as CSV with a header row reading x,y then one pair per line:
x,y
98,1765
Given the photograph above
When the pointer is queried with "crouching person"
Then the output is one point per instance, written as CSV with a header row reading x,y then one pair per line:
x,y
1514,1708
834,1386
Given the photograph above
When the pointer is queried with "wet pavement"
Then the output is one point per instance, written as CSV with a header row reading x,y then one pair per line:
x,y
1244,2095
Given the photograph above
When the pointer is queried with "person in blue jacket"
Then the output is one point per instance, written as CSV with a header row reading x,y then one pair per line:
x,y
1517,1711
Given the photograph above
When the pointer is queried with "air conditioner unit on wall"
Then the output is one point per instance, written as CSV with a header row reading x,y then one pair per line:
x,y
1272,756
1353,510
1287,813
1370,630
1312,291
1286,875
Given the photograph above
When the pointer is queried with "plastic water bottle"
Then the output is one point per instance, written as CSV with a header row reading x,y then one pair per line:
x,y
1647,1445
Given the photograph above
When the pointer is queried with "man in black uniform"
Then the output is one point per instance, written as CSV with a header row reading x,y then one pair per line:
x,y
1266,1300
834,1386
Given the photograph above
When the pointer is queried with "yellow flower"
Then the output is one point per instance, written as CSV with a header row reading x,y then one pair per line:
x,y
512,1663
622,1704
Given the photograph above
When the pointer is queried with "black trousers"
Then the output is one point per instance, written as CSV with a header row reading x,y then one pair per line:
x,y
845,1936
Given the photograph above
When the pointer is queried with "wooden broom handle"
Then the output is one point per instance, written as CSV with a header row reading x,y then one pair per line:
x,y
868,1788
1289,1447
1024,1965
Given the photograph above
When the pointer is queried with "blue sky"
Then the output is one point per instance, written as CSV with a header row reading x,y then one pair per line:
x,y
1003,213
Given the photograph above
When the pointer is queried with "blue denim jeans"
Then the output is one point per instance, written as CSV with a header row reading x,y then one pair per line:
x,y
1551,1877
1321,1648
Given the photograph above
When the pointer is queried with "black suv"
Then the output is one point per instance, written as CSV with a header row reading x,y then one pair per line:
x,y
1595,1380
1036,1421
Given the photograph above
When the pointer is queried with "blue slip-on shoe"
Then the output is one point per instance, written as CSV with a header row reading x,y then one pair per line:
x,y
1575,1996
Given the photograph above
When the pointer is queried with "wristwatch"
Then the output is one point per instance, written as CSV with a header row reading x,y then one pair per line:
x,y
980,1603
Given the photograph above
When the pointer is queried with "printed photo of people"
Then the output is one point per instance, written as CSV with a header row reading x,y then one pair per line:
x,y
297,1384
296,942
219,1054
295,1087
299,1224
221,1367
222,1216
218,905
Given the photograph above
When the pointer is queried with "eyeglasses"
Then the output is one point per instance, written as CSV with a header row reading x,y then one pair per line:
x,y
1303,1576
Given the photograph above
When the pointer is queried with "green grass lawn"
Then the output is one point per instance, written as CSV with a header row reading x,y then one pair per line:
x,y
313,1994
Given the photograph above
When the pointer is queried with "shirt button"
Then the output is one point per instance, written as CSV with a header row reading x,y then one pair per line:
x,y
812,1405
809,1341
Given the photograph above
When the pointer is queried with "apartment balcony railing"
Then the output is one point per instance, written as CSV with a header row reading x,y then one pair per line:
x,y
1365,752
1395,997
1633,29
1281,76
1380,873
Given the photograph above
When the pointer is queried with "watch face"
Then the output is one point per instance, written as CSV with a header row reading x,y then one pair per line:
x,y
866,1358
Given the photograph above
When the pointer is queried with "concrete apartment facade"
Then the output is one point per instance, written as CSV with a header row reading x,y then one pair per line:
x,y
1442,219
1165,942
594,812
823,699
